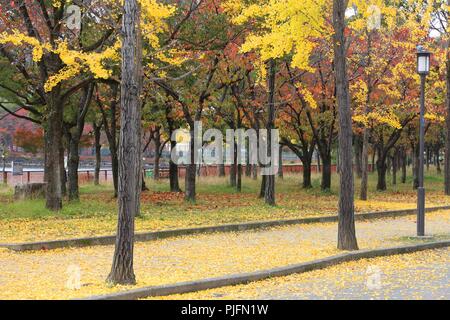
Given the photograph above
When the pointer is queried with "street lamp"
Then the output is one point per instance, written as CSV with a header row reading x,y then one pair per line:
x,y
423,68
423,61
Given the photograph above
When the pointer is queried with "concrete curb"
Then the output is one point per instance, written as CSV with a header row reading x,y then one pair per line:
x,y
243,278
149,236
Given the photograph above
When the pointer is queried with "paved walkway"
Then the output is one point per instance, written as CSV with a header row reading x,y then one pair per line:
x,y
44,274
423,275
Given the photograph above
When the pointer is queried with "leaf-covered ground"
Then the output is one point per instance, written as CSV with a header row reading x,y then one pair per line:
x,y
43,274
420,275
217,203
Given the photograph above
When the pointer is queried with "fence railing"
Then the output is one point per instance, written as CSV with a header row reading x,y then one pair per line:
x,y
86,175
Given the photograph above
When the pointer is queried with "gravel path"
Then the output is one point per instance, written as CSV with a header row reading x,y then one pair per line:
x,y
44,274
423,275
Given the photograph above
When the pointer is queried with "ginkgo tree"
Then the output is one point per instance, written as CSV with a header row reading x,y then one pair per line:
x,y
315,91
193,83
371,24
287,28
46,61
386,88
57,61
438,14
279,29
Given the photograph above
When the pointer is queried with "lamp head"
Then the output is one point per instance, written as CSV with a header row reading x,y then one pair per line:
x,y
423,60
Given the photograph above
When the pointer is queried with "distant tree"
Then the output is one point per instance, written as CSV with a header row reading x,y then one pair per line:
x,y
48,63
30,140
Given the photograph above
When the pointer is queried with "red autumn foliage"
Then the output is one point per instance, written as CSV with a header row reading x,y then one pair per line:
x,y
30,140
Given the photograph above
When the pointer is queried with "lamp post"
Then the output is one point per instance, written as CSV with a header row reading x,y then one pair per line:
x,y
423,68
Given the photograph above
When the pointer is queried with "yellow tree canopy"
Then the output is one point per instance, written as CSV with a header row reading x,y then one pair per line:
x,y
283,27
98,63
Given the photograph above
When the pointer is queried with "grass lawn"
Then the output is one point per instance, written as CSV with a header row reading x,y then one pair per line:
x,y
217,203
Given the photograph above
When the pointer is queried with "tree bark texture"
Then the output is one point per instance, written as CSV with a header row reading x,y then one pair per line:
x,y
53,143
269,195
346,227
129,187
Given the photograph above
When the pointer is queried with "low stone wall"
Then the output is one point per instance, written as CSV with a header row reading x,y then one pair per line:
x,y
235,227
29,191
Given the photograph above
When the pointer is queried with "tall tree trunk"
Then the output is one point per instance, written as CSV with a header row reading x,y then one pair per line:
x,y
269,194
190,177
394,167
307,174
364,165
262,190
248,170
98,154
110,128
305,154
388,164
416,161
143,184
74,132
366,134
173,166
233,175
73,164
358,156
346,228
173,177
5,174
280,163
338,160
373,161
129,148
438,162
157,156
221,170
254,171
319,167
404,165
115,169
326,172
233,167
173,171
53,143
62,168
381,169
248,167
239,178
